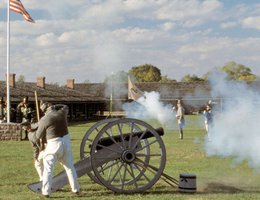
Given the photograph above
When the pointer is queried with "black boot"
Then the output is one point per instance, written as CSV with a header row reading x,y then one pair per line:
x,y
181,135
26,136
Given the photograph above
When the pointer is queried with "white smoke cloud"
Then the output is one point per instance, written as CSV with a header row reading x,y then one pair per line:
x,y
151,108
235,132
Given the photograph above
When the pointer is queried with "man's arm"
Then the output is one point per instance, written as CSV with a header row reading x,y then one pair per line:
x,y
39,133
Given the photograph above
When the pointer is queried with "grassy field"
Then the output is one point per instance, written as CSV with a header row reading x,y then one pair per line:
x,y
217,178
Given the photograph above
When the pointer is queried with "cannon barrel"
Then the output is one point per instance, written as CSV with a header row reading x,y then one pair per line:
x,y
107,141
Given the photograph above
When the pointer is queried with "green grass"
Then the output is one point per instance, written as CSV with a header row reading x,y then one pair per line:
x,y
217,178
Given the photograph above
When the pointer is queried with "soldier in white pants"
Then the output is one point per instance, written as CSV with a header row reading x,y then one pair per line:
x,y
38,148
208,120
180,118
38,158
53,125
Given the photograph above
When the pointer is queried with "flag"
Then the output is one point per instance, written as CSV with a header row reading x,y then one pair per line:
x,y
133,92
17,6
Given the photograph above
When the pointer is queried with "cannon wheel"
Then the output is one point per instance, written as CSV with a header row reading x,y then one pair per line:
x,y
87,140
90,135
132,170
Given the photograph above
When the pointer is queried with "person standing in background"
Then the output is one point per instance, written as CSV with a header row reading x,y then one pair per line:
x,y
38,150
208,119
26,112
180,118
2,111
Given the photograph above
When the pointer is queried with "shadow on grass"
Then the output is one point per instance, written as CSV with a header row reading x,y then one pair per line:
x,y
220,188
215,187
211,188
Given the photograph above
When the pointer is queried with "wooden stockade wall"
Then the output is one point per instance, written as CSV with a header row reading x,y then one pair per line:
x,y
10,131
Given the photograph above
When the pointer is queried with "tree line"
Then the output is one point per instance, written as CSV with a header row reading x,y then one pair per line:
x,y
151,73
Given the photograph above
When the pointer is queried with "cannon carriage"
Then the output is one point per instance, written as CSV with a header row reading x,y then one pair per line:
x,y
125,155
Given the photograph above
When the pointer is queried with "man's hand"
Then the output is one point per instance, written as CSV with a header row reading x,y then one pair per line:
x,y
29,128
33,126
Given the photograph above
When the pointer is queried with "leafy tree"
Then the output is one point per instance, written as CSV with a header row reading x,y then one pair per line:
x,y
21,79
191,78
238,72
165,79
146,73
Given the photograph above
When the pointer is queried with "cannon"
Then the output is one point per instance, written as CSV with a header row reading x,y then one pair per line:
x,y
125,155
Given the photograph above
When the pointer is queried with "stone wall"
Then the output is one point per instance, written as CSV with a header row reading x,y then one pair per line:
x,y
10,131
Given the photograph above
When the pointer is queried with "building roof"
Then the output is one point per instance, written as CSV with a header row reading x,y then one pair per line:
x,y
100,92
166,90
50,92
177,90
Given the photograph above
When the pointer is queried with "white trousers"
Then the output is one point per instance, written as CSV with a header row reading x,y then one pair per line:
x,y
208,129
38,164
58,149
206,126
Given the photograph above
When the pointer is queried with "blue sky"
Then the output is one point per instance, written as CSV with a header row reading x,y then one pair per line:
x,y
88,40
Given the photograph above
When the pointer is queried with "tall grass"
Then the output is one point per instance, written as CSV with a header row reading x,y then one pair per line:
x,y
217,178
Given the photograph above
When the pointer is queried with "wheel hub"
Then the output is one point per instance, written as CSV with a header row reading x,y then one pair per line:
x,y
128,156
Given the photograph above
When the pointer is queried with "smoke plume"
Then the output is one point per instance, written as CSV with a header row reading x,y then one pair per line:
x,y
235,132
151,108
